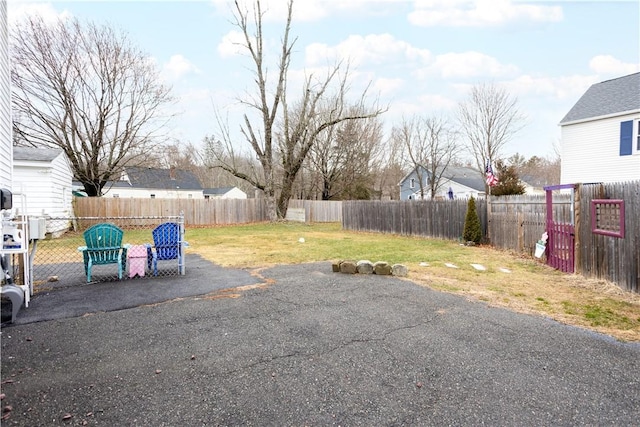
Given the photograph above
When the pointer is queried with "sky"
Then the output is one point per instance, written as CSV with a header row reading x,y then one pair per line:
x,y
416,57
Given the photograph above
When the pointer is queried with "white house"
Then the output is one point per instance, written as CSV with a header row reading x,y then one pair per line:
x,y
154,183
6,158
224,193
456,183
44,176
600,135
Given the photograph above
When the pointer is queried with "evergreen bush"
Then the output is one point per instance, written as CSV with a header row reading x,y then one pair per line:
x,y
472,228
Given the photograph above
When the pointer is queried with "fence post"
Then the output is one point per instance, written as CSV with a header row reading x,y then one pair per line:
x,y
182,245
577,229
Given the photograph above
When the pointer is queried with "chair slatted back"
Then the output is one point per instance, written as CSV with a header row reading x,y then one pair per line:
x,y
166,239
104,242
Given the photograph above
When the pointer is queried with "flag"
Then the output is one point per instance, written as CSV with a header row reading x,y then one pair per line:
x,y
492,180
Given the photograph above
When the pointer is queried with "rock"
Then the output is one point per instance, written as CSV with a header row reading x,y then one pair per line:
x,y
399,270
335,266
348,267
365,267
382,268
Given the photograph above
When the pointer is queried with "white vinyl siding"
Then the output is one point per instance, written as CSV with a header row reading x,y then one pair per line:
x,y
47,186
6,153
147,193
591,152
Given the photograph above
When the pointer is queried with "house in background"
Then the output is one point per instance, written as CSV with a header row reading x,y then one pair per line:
x,y
456,183
44,176
153,183
600,135
533,185
224,193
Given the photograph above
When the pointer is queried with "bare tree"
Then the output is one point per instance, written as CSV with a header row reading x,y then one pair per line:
x,y
284,133
489,118
431,145
389,169
343,157
86,90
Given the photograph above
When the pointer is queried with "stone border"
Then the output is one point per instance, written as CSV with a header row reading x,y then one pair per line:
x,y
367,267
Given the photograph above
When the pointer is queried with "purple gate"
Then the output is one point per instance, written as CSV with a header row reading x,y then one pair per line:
x,y
561,243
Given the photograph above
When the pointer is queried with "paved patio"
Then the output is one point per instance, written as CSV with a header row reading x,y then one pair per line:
x,y
305,347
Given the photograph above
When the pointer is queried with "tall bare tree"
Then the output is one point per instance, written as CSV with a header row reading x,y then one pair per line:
x,y
86,90
489,118
343,157
284,132
431,145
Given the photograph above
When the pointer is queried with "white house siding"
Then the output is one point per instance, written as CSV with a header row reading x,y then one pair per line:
x,y
591,152
459,191
47,186
234,193
145,193
6,154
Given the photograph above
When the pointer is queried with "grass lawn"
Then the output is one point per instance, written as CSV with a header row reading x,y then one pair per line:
x,y
513,281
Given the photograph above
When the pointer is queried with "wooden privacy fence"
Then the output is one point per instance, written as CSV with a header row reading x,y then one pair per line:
x,y
319,210
517,222
202,212
197,212
431,218
608,233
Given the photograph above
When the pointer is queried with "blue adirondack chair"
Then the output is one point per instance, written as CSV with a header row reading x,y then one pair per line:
x,y
167,245
103,246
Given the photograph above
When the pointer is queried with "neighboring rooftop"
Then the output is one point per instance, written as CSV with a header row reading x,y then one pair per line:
x,y
607,97
220,191
36,154
164,179
466,176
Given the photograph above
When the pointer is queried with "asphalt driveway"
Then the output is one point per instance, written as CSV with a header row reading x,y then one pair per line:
x,y
308,347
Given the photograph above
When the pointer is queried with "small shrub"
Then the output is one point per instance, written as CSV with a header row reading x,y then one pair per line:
x,y
472,228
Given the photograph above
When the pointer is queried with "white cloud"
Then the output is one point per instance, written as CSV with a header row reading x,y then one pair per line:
x,y
385,86
610,66
177,67
232,44
306,10
276,10
480,13
561,88
370,49
17,11
470,64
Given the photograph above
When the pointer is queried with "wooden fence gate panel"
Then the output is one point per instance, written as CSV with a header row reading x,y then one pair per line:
x,y
561,235
561,246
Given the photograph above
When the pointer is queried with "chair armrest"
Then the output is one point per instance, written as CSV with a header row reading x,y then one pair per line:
x,y
82,248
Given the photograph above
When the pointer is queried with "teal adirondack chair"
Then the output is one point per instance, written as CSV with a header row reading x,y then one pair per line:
x,y
103,246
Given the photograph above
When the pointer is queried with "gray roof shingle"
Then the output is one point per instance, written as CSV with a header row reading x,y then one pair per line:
x,y
217,191
141,177
36,154
607,97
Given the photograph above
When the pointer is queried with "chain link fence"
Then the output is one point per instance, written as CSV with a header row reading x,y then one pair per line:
x,y
59,261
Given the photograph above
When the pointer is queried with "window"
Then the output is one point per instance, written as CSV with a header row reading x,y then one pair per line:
x,y
153,196
412,184
626,138
116,195
630,137
607,217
